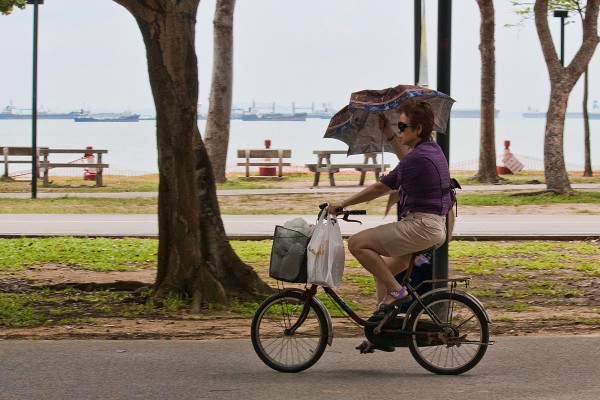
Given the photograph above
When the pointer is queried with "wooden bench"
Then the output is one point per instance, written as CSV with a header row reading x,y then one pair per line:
x,y
17,155
98,165
263,157
325,165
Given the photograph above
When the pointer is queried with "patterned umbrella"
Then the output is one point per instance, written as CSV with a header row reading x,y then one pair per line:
x,y
357,124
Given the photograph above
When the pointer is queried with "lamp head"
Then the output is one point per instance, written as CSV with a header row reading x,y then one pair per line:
x,y
561,13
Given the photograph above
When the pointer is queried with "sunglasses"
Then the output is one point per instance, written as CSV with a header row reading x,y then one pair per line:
x,y
402,126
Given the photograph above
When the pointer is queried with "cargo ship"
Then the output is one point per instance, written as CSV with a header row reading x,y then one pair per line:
x,y
254,115
11,112
125,117
324,113
593,114
274,117
469,113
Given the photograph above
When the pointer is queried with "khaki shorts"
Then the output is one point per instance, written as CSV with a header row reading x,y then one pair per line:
x,y
414,232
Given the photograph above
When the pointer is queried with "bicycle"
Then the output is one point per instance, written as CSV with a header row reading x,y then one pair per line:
x,y
446,329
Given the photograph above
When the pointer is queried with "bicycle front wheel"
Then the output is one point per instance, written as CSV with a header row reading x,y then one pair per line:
x,y
277,344
458,344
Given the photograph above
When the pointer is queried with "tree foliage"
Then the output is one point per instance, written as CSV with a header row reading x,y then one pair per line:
x,y
7,6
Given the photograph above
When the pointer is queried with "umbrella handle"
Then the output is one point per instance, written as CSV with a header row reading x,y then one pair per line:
x,y
382,163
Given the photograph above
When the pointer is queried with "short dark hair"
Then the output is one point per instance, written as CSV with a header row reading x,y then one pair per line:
x,y
419,113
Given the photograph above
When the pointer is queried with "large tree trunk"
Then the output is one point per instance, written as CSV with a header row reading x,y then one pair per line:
x,y
218,121
562,81
487,172
194,256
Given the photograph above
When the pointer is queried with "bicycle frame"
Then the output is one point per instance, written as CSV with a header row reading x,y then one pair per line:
x,y
312,291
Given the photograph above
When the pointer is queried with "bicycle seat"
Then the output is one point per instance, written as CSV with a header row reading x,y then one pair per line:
x,y
427,250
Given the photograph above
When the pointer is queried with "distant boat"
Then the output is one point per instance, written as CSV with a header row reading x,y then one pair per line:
x,y
10,112
236,113
325,113
469,113
593,114
125,117
274,117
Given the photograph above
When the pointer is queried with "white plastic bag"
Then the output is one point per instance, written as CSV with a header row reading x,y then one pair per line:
x,y
300,225
326,255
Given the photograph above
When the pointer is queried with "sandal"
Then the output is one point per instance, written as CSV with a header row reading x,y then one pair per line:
x,y
400,297
367,347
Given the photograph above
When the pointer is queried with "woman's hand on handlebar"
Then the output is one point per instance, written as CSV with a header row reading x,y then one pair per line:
x,y
335,208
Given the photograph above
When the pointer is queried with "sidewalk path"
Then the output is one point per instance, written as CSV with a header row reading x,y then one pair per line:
x,y
320,189
243,227
468,227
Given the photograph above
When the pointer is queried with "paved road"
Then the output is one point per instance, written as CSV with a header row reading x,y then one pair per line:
x,y
262,226
548,368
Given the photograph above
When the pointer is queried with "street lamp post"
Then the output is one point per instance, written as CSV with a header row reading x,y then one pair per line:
x,y
562,14
444,52
34,155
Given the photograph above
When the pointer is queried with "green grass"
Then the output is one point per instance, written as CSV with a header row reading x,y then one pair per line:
x,y
253,251
18,311
483,259
365,283
503,199
97,254
516,276
80,205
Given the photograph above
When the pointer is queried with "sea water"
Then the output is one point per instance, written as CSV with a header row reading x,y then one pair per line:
x,y
132,145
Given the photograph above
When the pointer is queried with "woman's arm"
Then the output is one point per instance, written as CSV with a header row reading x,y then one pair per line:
x,y
371,192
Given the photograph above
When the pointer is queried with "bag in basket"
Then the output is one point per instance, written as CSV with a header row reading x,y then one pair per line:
x,y
326,255
288,255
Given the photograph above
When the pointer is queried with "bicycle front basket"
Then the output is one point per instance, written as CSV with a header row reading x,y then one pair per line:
x,y
288,255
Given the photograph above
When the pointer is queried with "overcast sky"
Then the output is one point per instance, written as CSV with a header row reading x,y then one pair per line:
x,y
91,54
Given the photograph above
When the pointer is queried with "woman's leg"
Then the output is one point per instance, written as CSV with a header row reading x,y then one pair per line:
x,y
368,250
395,265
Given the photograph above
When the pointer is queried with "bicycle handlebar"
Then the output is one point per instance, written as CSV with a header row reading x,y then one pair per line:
x,y
345,214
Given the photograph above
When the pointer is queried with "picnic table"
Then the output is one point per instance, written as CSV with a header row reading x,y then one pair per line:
x,y
325,165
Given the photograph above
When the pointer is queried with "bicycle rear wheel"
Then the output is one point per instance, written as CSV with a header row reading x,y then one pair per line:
x,y
279,347
459,344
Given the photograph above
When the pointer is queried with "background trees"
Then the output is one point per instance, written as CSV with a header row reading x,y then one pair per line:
x,y
216,136
6,6
487,145
562,81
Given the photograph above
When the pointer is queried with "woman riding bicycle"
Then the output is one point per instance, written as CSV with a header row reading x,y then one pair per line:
x,y
423,180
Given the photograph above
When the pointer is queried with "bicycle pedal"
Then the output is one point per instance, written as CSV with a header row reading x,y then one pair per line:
x,y
389,317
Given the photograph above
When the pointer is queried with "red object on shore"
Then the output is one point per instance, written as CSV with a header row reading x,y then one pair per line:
x,y
511,164
502,170
89,174
267,171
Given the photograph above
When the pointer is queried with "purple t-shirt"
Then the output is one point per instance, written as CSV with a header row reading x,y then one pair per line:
x,y
423,179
